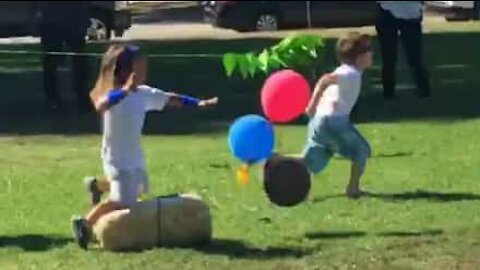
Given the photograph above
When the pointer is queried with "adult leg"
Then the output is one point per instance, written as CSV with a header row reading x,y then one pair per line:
x,y
411,38
76,44
387,31
476,10
52,40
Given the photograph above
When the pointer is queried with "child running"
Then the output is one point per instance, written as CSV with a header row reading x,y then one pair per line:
x,y
123,100
330,130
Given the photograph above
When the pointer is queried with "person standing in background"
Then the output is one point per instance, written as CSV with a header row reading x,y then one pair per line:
x,y
63,23
401,19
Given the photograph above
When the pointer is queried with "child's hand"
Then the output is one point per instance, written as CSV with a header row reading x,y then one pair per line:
x,y
208,102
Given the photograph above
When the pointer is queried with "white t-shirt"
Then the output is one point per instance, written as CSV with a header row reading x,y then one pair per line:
x,y
338,99
406,10
123,124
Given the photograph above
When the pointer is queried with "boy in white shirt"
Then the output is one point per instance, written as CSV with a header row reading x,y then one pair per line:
x,y
330,130
123,100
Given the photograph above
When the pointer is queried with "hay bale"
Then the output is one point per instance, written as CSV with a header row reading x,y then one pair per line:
x,y
175,221
286,180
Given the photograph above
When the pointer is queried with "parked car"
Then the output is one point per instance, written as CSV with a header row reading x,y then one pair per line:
x,y
274,15
18,19
456,10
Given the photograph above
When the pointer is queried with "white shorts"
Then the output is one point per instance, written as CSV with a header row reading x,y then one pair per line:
x,y
126,185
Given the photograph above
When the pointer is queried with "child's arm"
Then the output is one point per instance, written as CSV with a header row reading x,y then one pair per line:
x,y
179,101
104,102
108,100
157,100
322,84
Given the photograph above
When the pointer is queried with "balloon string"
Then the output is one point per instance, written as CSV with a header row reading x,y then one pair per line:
x,y
279,140
243,175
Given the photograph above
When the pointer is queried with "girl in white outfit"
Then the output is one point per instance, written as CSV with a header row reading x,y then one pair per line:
x,y
123,99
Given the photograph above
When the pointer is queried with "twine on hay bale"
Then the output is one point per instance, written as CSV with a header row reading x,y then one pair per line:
x,y
179,221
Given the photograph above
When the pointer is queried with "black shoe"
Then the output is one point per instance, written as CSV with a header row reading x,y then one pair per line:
x,y
95,193
81,234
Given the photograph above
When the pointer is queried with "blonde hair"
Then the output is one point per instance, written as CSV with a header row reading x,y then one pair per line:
x,y
353,45
106,75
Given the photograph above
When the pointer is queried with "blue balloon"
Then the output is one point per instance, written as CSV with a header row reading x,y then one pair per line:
x,y
251,138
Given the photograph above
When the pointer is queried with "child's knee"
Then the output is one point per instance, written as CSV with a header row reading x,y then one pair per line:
x,y
315,166
316,159
364,151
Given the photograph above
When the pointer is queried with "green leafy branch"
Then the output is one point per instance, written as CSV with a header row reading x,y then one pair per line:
x,y
292,52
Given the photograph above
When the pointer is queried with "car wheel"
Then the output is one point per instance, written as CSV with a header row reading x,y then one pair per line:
x,y
267,22
98,30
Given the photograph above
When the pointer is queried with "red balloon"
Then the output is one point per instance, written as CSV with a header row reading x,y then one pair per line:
x,y
285,96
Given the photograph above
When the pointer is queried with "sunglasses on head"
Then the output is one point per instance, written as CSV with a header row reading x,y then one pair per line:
x,y
125,58
366,49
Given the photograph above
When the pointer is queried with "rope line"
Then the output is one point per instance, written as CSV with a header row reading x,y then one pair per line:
x,y
174,55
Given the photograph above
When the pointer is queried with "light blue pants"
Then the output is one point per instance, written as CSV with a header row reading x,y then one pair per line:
x,y
328,135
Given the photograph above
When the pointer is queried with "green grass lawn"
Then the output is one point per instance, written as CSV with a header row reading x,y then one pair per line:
x,y
425,214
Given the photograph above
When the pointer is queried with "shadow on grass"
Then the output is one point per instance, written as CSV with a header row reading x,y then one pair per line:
x,y
32,242
356,234
335,235
36,121
410,196
454,79
393,155
411,234
426,195
382,155
320,199
239,250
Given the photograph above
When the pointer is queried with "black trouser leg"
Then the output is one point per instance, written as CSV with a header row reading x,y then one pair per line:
x,y
411,38
51,42
387,30
76,44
